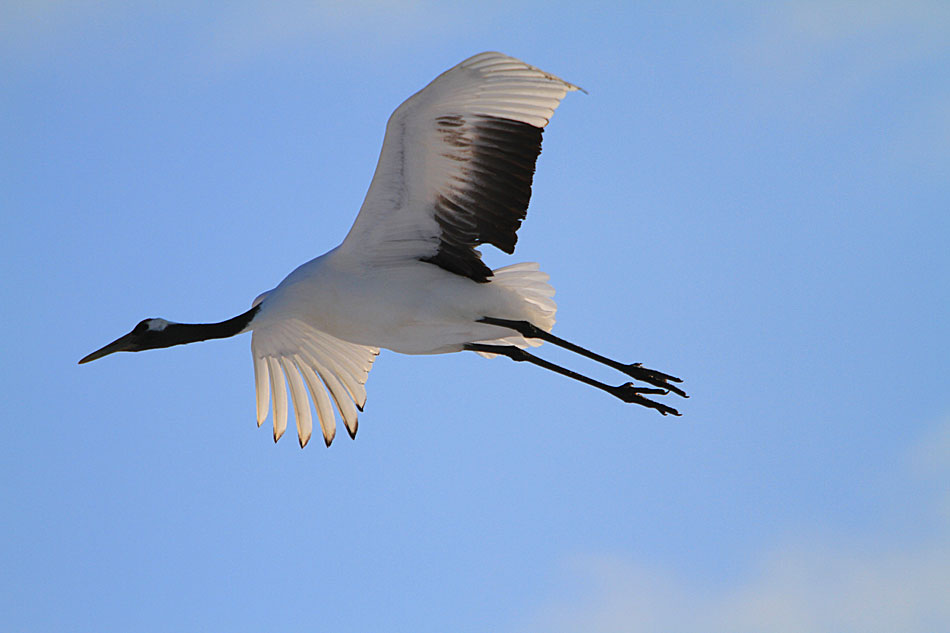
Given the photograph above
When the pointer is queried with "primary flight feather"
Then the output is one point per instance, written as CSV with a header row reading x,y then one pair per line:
x,y
455,172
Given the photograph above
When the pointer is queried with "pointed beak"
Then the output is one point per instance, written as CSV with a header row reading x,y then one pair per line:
x,y
122,344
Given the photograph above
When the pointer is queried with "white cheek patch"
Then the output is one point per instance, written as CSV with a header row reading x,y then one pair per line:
x,y
157,324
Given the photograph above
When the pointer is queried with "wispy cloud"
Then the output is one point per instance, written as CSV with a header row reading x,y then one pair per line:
x,y
831,61
802,38
829,54
218,33
865,583
922,141
249,29
40,29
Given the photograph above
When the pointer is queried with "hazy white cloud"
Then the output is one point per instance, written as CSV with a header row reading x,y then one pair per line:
x,y
837,586
223,32
823,55
828,59
817,587
930,461
931,456
861,583
248,29
797,39
34,29
922,141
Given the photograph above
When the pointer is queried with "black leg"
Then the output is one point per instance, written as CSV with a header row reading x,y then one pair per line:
x,y
635,370
626,392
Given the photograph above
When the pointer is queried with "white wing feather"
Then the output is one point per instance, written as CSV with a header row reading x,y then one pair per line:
x,y
422,160
320,401
279,392
298,395
312,361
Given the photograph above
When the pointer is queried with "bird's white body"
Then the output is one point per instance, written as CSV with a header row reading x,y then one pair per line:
x,y
410,308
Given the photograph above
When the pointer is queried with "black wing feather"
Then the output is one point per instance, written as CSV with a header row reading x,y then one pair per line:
x,y
490,199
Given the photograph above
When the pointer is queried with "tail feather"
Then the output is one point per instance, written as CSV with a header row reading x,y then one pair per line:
x,y
531,285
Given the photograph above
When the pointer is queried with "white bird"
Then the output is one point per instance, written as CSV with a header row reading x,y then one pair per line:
x,y
455,172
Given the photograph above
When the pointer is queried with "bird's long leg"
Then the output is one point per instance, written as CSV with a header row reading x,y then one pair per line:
x,y
635,370
626,392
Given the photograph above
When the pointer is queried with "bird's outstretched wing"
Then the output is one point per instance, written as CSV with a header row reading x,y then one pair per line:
x,y
456,167
310,360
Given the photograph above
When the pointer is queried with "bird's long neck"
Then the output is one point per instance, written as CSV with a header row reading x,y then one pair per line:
x,y
181,333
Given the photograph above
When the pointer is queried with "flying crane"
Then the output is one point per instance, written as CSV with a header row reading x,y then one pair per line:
x,y
455,172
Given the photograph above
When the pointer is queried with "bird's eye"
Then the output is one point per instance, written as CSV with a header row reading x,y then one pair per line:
x,y
142,326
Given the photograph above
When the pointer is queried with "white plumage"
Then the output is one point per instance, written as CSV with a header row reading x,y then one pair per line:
x,y
330,316
455,172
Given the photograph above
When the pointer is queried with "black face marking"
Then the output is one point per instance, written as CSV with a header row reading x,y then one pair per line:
x,y
489,200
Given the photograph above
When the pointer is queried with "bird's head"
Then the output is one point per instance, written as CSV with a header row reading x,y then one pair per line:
x,y
148,334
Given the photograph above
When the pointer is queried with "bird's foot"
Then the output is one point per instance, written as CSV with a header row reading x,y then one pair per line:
x,y
656,378
628,392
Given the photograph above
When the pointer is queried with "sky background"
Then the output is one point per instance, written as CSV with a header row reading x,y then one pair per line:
x,y
752,196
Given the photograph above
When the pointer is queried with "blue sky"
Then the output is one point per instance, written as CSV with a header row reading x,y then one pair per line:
x,y
752,196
